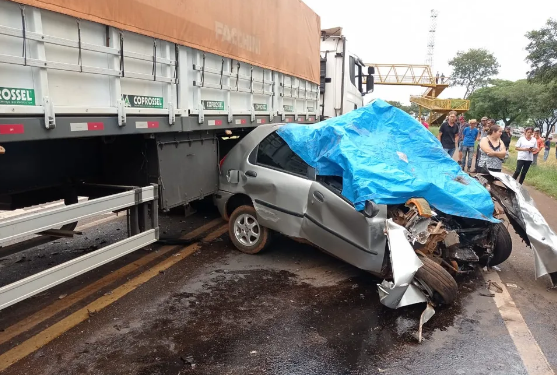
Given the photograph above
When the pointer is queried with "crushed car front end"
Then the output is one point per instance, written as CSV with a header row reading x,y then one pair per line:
x,y
354,187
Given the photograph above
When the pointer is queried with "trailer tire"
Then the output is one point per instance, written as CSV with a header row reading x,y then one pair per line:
x,y
441,285
245,231
502,246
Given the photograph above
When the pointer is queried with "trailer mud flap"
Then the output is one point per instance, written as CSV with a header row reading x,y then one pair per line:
x,y
187,167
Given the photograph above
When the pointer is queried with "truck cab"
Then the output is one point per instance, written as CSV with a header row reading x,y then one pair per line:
x,y
344,79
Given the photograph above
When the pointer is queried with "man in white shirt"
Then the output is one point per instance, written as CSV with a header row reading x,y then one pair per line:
x,y
526,146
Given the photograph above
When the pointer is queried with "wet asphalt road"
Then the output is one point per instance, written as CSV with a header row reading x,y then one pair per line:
x,y
288,310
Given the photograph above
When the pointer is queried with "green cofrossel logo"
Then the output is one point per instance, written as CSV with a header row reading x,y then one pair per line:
x,y
214,105
259,107
143,101
17,96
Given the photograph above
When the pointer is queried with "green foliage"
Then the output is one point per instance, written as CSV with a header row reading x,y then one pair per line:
x,y
412,109
517,102
542,53
473,69
504,100
543,107
395,104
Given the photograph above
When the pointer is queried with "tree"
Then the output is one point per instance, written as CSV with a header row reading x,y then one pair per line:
x,y
473,69
395,103
504,100
510,102
414,108
399,105
411,109
542,53
542,107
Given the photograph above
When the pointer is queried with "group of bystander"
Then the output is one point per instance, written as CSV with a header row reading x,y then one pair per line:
x,y
493,145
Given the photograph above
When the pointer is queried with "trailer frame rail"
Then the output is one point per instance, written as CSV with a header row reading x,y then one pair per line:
x,y
143,227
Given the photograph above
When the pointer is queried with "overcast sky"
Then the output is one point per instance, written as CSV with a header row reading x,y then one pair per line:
x,y
396,31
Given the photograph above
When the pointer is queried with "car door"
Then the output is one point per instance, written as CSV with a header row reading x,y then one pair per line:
x,y
333,224
277,181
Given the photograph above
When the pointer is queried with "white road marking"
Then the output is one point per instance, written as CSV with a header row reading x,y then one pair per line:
x,y
532,356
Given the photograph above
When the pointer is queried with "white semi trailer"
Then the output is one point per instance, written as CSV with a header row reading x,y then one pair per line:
x,y
131,108
344,77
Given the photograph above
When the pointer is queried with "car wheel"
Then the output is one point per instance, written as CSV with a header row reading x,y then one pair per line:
x,y
435,281
502,245
245,231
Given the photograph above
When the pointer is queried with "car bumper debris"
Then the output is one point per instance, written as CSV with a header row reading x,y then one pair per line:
x,y
404,264
527,222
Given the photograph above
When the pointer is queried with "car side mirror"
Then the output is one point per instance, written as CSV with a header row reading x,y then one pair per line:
x,y
371,209
369,83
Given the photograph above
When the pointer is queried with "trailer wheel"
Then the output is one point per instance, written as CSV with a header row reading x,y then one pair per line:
x,y
245,231
502,245
440,286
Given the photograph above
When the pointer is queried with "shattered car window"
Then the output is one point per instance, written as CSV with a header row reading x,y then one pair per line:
x,y
333,183
274,152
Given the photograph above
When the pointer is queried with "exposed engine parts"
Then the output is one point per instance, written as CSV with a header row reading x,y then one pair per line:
x,y
456,243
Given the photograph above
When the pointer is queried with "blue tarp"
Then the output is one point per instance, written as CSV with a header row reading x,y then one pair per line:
x,y
385,155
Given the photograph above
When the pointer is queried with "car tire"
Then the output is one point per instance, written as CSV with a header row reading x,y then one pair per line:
x,y
245,231
503,245
437,282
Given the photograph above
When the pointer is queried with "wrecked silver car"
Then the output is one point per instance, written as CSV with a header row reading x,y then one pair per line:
x,y
414,246
266,187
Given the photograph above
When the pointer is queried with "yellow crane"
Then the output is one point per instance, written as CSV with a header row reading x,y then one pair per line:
x,y
421,75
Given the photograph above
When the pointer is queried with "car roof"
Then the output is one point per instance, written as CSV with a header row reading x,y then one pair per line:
x,y
253,138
